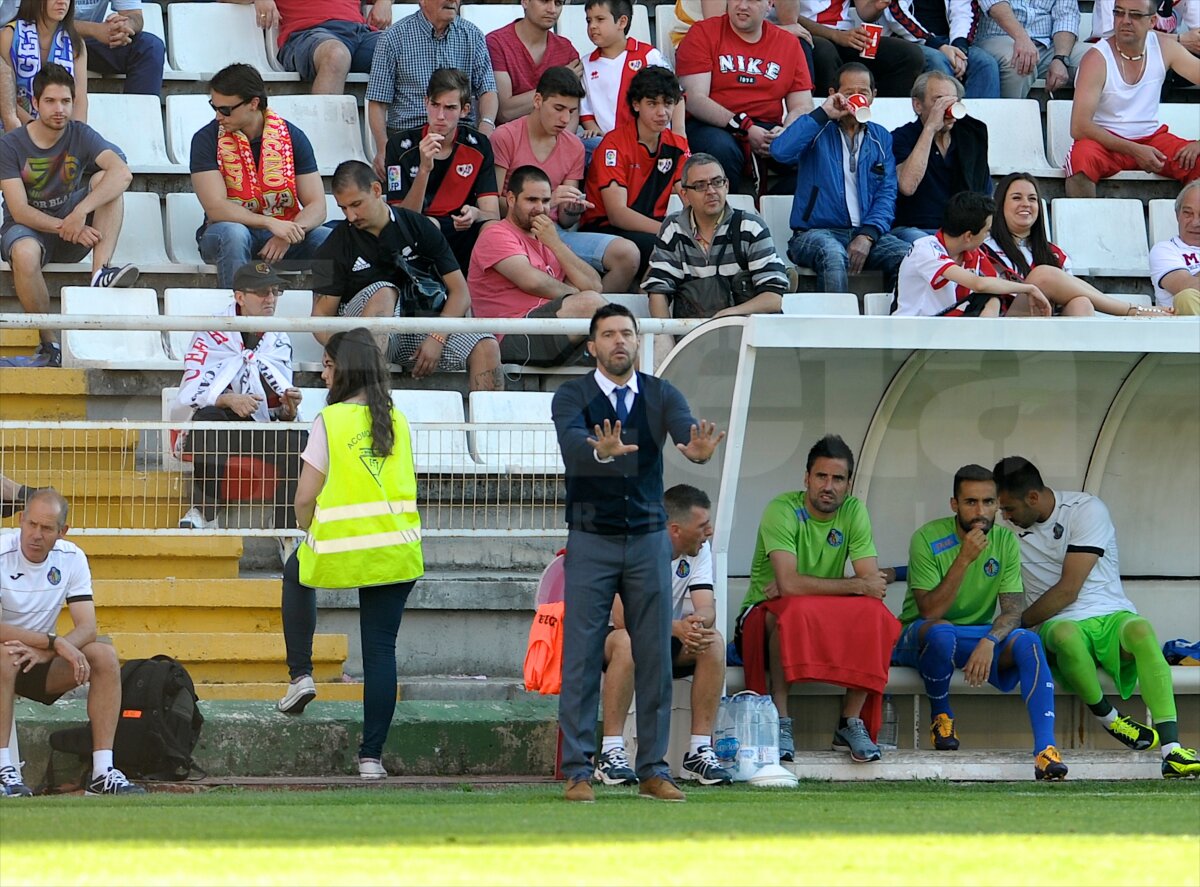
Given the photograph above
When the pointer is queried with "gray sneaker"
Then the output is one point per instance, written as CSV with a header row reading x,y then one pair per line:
x,y
787,745
855,739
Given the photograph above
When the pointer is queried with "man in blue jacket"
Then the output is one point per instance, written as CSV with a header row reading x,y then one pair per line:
x,y
845,188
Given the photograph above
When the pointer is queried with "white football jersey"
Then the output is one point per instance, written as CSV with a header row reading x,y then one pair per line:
x,y
32,595
689,572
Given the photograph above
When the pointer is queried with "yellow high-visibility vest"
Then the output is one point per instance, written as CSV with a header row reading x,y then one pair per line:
x,y
365,530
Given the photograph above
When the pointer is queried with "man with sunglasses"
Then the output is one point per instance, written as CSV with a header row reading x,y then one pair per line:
x,y
694,244
256,177
1114,118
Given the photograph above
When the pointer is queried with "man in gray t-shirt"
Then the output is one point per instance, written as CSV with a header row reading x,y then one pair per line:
x,y
53,211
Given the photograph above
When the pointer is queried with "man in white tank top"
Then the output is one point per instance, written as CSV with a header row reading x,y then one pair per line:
x,y
1114,119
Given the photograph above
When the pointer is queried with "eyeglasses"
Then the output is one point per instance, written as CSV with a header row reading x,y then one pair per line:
x,y
268,292
1131,15
712,185
226,110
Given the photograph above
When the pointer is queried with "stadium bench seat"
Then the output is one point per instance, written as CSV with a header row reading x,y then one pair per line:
x,y
134,124
114,349
491,16
823,304
1141,300
665,21
1163,224
184,216
744,202
877,304
572,24
515,452
331,123
1105,237
1182,119
185,114
205,37
188,301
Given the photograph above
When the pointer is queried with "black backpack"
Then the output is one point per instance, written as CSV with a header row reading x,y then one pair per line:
x,y
158,728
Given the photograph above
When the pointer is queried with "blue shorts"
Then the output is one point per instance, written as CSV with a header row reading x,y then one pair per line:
x,y
297,52
588,246
54,248
908,652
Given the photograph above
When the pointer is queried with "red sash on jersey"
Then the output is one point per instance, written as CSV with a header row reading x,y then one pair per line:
x,y
636,54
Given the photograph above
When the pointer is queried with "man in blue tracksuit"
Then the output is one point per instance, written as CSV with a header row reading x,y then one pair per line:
x,y
845,188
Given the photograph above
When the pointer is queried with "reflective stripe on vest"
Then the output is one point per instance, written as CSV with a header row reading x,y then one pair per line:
x,y
366,530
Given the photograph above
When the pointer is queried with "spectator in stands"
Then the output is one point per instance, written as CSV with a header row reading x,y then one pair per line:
x,y
117,43
544,139
637,165
522,267
42,33
1031,39
689,272
952,258
839,38
53,211
959,569
936,155
608,70
445,169
390,262
845,188
43,572
1173,19
408,53
1114,117
945,29
738,71
697,648
798,584
1175,263
1020,251
523,50
784,13
1078,606
242,377
323,40
248,213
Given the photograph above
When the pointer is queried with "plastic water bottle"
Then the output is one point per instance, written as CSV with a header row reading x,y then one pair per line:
x,y
888,729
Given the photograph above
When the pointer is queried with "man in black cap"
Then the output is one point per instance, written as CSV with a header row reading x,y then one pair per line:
x,y
242,377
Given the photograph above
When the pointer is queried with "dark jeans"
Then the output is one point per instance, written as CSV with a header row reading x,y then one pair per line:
x,y
897,64
140,60
211,449
734,153
380,610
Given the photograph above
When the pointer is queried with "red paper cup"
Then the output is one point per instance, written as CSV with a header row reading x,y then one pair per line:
x,y
875,32
860,107
957,111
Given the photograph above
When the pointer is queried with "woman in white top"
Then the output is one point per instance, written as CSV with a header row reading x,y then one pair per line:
x,y
1018,244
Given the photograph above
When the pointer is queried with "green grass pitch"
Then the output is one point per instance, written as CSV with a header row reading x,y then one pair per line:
x,y
820,833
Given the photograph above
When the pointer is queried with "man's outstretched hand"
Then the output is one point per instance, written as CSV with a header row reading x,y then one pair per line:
x,y
607,442
705,438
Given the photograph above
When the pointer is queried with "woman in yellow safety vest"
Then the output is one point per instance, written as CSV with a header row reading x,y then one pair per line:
x,y
357,498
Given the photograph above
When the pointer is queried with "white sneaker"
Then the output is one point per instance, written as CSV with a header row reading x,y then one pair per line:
x,y
369,768
298,695
194,520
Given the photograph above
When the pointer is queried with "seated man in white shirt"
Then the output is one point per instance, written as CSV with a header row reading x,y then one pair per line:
x,y
1175,263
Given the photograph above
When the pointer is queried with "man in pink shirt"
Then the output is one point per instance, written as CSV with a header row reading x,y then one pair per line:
x,y
523,51
522,268
324,40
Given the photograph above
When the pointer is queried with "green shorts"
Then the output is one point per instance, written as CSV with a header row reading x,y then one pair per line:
x,y
1102,636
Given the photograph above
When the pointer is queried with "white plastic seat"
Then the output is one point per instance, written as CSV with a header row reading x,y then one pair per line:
x,y
1163,224
185,114
184,217
1105,237
665,21
153,23
140,243
134,124
1182,119
822,304
516,452
1141,300
331,123
399,10
776,210
114,349
490,17
637,303
172,412
189,301
306,351
877,304
744,202
205,37
333,212
572,24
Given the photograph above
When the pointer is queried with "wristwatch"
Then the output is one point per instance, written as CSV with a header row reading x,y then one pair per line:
x,y
1065,59
51,637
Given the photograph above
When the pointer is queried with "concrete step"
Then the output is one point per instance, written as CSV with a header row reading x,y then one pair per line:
x,y
463,688
43,393
156,557
127,606
980,765
232,657
61,441
327,691
426,738
116,498
18,343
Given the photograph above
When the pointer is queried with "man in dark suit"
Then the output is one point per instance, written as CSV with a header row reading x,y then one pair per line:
x,y
611,426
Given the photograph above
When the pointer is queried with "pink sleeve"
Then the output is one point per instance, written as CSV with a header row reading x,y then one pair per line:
x,y
494,245
316,451
503,149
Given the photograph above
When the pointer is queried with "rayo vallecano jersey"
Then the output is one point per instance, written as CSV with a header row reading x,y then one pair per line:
x,y
32,595
1079,522
689,572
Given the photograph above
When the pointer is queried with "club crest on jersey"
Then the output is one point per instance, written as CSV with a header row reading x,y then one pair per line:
x,y
54,576
834,538
683,569
1058,531
665,164
465,169
937,546
635,65
610,157
991,568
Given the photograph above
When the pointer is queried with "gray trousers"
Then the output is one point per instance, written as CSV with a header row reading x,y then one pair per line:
x,y
598,567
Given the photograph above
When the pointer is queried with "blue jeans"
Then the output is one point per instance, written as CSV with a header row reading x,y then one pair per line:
x,y
380,610
824,251
230,245
141,61
983,71
911,235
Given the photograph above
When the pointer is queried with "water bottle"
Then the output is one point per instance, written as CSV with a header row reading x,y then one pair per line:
x,y
888,729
